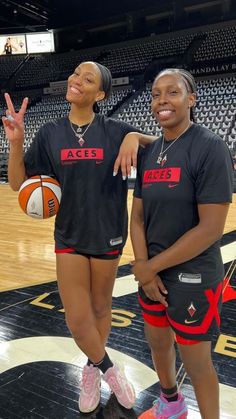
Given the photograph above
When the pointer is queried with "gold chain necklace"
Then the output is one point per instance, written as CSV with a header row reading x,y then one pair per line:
x,y
79,132
162,159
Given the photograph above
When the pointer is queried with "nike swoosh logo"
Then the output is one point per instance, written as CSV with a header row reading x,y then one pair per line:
x,y
173,186
99,161
190,321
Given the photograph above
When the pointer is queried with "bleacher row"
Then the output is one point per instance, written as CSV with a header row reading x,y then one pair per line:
x,y
215,108
133,57
216,104
219,43
52,107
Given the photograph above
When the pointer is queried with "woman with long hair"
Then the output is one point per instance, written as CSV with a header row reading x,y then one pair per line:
x,y
80,151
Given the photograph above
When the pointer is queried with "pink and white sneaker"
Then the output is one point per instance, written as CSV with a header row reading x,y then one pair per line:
x,y
120,386
163,409
90,392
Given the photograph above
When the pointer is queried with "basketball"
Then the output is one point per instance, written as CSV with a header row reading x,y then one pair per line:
x,y
39,196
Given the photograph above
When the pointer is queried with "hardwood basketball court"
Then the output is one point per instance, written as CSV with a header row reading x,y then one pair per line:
x,y
27,246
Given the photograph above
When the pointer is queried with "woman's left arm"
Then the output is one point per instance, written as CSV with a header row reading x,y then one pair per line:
x,y
210,228
127,156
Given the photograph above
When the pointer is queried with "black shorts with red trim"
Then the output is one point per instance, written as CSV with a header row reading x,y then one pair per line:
x,y
62,248
193,311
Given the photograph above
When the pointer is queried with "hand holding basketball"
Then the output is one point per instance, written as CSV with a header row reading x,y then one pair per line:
x,y
14,122
39,196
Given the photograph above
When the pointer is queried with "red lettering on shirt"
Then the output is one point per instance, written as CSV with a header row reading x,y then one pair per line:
x,y
72,154
169,174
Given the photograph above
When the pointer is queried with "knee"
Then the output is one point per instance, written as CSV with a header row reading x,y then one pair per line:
x,y
101,308
197,370
160,344
78,326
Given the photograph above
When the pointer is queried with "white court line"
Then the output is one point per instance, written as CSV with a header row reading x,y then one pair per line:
x,y
227,404
228,253
23,351
63,349
124,286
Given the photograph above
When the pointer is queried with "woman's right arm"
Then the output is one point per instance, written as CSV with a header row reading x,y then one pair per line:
x,y
154,288
16,167
137,232
14,128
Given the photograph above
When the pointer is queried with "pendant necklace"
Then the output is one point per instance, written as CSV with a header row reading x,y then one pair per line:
x,y
162,156
79,133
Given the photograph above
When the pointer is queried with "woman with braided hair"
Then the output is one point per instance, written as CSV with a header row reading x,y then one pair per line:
x,y
181,200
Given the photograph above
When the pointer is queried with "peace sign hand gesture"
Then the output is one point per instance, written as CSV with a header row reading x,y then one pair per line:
x,y
14,122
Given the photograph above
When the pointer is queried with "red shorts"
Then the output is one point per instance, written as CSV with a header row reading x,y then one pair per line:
x,y
113,254
193,311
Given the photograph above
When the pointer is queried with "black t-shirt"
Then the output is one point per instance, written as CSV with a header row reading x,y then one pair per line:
x,y
198,170
92,217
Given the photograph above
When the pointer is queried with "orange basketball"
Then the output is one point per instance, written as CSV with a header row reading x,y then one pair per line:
x,y
39,196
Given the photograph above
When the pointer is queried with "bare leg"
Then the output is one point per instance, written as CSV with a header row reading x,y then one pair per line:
x,y
74,282
103,274
161,342
198,364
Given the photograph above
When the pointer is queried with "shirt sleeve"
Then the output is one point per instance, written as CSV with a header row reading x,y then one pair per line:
x,y
129,128
138,182
214,182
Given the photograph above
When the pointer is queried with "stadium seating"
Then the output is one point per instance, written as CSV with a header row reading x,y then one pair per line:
x,y
215,109
216,102
219,43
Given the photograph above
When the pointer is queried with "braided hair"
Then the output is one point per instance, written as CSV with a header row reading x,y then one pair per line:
x,y
188,80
